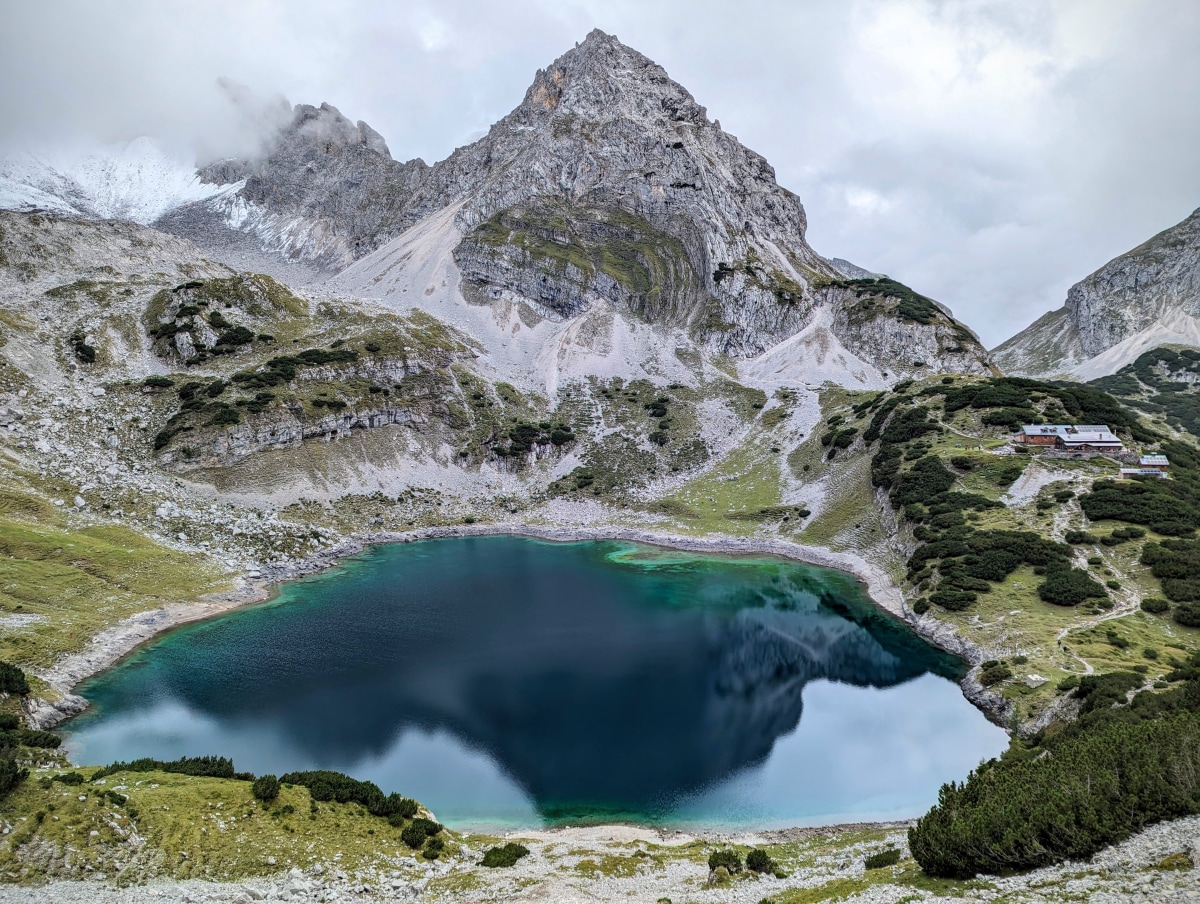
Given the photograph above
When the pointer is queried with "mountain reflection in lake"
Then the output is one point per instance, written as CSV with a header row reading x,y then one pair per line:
x,y
509,680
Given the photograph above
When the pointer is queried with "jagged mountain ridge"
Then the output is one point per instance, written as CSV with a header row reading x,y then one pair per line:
x,y
1146,298
608,184
606,189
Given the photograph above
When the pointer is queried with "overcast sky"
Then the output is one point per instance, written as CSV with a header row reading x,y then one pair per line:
x,y
987,152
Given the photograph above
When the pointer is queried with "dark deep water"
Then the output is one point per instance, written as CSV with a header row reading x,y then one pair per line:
x,y
519,682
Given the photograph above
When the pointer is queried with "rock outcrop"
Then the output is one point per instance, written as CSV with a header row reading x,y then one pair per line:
x,y
1143,299
327,190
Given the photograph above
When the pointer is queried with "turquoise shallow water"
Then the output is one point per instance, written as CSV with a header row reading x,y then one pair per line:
x,y
508,681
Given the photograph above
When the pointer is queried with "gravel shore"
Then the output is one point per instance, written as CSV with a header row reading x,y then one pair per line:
x,y
1150,867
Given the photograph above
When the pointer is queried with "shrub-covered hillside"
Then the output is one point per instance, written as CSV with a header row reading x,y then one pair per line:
x,y
1065,795
1041,560
1164,384
1085,587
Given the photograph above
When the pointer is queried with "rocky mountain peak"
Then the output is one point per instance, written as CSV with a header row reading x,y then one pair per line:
x,y
311,134
326,128
602,74
1145,298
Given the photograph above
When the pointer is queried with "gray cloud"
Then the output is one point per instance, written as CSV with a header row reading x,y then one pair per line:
x,y
990,152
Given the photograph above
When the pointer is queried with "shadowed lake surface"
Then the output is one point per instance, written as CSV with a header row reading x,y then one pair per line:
x,y
514,682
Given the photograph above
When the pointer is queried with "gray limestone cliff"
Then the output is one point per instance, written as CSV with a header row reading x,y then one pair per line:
x,y
1145,298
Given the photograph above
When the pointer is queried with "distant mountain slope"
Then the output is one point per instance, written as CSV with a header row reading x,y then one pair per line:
x,y
138,181
1146,298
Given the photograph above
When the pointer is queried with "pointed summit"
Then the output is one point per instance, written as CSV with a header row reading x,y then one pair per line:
x,y
601,74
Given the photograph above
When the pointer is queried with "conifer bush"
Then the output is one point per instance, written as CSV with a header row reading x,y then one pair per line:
x,y
729,858
1122,765
888,857
505,855
757,861
13,680
265,788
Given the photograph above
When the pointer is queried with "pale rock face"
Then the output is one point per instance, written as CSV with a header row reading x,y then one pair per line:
x,y
942,345
1145,298
610,185
223,448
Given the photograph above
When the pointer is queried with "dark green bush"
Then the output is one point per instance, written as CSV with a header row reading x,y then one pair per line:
x,y
888,857
1187,614
325,785
413,835
757,861
283,369
210,766
223,415
1155,605
428,826
1102,691
1176,563
927,479
921,606
1097,788
28,737
1012,418
265,788
1066,586
953,600
1116,639
728,858
433,848
8,722
11,775
994,674
418,830
504,855
235,336
85,353
1162,508
13,680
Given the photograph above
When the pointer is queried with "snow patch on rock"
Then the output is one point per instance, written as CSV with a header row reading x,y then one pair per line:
x,y
138,181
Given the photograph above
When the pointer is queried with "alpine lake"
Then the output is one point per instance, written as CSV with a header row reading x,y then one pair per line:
x,y
507,682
